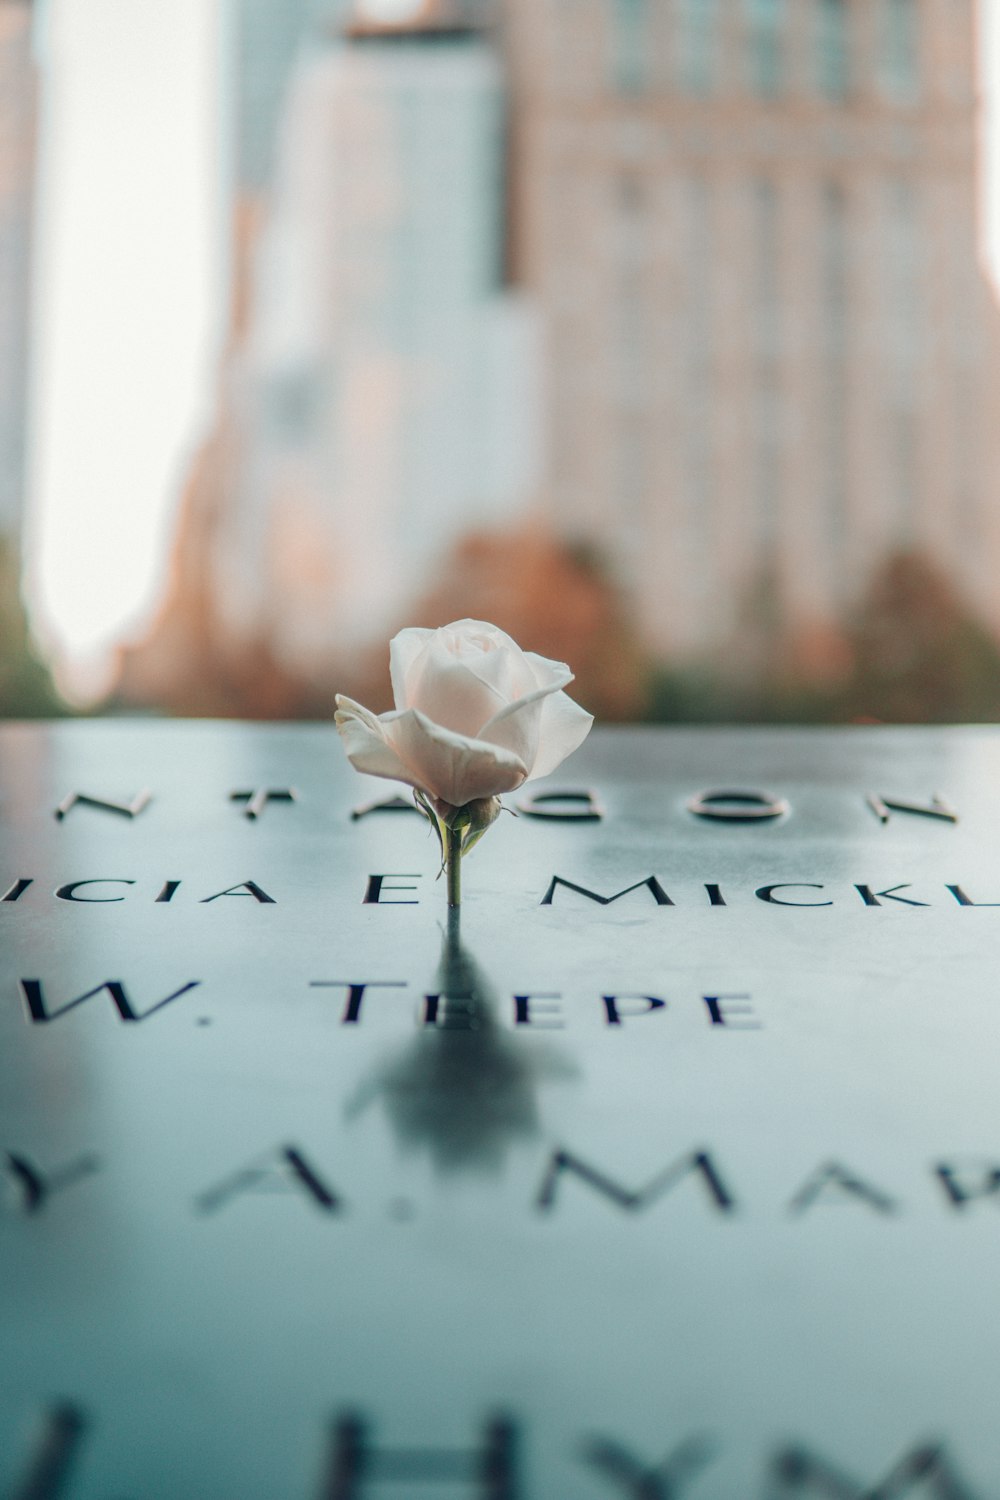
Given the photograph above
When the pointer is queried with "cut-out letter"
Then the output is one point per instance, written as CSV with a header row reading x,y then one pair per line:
x,y
738,806
656,890
883,807
34,999
285,1169
832,1176
562,807
257,801
634,1199
124,809
489,1470
36,1187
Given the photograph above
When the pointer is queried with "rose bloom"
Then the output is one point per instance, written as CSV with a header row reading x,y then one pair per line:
x,y
475,715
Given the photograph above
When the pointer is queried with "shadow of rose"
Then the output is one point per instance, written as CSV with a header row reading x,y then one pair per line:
x,y
465,1089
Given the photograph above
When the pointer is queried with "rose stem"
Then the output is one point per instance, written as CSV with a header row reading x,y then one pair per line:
x,y
453,864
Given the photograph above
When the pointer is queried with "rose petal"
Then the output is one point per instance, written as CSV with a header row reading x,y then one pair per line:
x,y
491,654
365,742
548,673
405,649
448,765
518,727
565,726
444,689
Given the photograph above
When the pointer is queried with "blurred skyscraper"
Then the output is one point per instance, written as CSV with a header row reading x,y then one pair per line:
x,y
748,320
376,395
750,227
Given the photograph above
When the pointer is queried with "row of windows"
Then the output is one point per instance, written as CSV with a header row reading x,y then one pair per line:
x,y
697,33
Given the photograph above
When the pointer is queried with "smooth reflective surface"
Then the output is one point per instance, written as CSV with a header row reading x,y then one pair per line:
x,y
676,1164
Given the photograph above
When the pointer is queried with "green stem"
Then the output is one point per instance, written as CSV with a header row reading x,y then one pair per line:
x,y
453,864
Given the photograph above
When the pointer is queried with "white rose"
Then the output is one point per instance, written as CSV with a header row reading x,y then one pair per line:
x,y
475,715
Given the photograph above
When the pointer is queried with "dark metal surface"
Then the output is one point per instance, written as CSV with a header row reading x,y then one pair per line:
x,y
692,1190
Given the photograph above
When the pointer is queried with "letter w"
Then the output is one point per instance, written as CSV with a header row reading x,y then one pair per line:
x,y
34,999
659,894
796,1470
633,1200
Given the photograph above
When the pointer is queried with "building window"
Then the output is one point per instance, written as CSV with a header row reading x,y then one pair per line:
x,y
766,22
898,49
696,532
766,287
833,50
834,314
631,353
903,273
697,45
630,23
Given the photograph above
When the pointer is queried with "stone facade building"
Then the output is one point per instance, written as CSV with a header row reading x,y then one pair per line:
x,y
772,354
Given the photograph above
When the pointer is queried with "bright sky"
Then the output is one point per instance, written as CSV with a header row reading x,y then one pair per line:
x,y
127,307
132,237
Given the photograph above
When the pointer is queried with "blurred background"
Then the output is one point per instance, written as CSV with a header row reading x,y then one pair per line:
x,y
662,333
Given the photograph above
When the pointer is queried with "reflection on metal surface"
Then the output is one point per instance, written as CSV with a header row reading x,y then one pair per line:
x,y
48,1468
320,1167
465,1088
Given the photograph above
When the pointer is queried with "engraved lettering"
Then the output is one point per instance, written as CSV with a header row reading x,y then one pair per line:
x,y
564,807
17,890
285,1169
656,890
244,888
36,1187
386,804
715,896
488,1470
874,898
635,1199
620,1007
528,1008
68,892
959,1190
257,801
169,890
964,900
832,1177
738,806
797,1469
376,885
355,993
722,1009
124,809
636,1479
766,893
34,999
883,807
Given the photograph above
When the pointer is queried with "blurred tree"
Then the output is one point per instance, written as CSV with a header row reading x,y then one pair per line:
x,y
919,655
552,597
26,689
912,654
